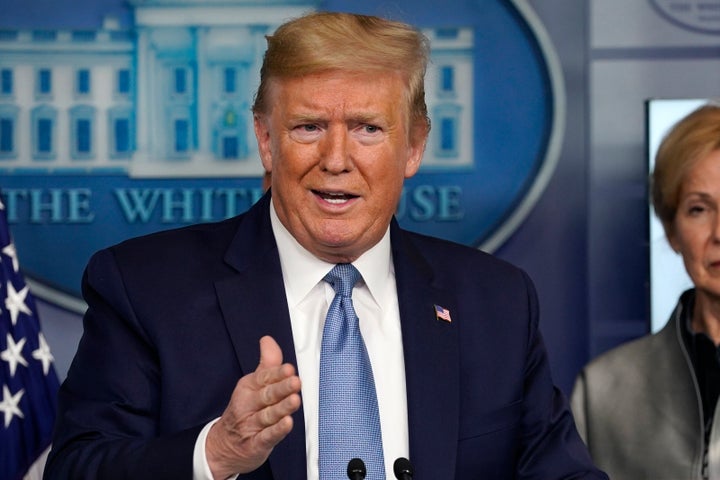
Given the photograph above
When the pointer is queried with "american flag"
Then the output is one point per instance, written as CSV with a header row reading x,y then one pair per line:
x,y
28,382
442,313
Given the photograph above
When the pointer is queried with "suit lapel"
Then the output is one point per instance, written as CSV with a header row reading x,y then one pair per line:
x,y
254,304
431,362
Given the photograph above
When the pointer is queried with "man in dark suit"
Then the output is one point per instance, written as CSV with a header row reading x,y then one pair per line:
x,y
166,382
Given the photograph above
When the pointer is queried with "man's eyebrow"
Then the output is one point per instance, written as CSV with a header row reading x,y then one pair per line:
x,y
352,117
305,117
366,117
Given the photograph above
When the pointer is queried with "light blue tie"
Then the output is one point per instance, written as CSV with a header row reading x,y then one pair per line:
x,y
349,418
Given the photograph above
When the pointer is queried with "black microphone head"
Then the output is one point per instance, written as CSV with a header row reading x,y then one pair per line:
x,y
356,469
403,468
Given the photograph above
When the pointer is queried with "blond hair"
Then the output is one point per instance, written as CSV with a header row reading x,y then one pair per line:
x,y
327,41
689,140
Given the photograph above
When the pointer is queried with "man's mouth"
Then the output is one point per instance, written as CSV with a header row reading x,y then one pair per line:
x,y
334,197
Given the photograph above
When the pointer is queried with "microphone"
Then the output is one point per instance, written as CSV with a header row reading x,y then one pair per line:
x,y
403,469
356,469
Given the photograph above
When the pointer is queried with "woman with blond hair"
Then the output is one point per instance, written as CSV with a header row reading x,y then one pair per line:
x,y
647,409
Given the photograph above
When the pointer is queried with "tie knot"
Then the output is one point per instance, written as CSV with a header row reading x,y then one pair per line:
x,y
343,278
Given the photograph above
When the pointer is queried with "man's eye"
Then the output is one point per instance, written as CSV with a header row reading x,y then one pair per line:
x,y
371,129
309,128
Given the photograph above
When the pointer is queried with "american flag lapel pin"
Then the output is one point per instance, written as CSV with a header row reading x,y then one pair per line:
x,y
442,313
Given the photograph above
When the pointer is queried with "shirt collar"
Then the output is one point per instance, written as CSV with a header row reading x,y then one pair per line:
x,y
695,342
302,270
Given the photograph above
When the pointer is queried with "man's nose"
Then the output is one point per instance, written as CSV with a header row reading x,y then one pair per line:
x,y
334,151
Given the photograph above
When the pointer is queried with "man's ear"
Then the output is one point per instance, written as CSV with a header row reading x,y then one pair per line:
x,y
262,134
416,150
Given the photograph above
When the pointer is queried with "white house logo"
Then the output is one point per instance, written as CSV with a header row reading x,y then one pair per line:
x,y
116,130
698,15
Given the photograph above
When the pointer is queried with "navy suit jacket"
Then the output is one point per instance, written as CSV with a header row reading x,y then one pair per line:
x,y
174,320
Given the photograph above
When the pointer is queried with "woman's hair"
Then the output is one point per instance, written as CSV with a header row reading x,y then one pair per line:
x,y
689,140
326,41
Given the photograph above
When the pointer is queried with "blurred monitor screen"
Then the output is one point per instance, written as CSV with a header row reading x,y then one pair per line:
x,y
668,278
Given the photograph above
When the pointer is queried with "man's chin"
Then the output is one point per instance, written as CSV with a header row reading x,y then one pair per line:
x,y
339,249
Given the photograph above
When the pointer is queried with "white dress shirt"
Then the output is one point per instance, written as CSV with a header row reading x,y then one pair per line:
x,y
376,304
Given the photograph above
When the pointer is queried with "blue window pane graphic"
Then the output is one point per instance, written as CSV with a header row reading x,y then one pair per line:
x,y
447,134
8,35
448,79
122,135
6,135
83,79
44,135
230,147
45,81
44,35
6,81
84,35
83,136
123,81
180,80
447,33
181,135
230,86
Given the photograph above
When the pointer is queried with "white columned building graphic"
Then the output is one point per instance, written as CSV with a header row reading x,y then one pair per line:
x,y
171,96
